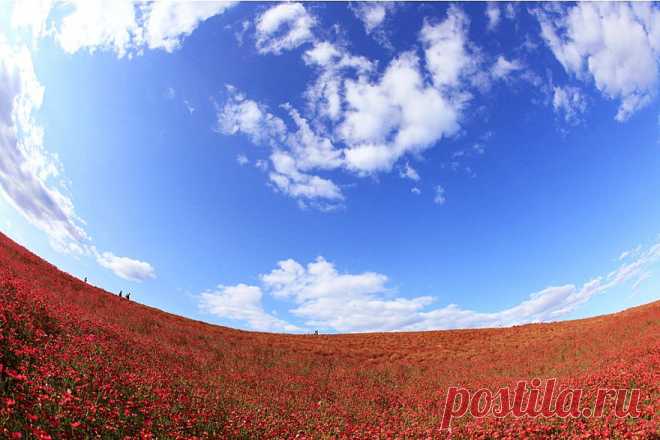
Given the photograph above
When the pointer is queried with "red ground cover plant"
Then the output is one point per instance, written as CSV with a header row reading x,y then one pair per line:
x,y
79,362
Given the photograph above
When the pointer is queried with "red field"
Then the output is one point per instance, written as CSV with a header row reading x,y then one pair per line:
x,y
79,362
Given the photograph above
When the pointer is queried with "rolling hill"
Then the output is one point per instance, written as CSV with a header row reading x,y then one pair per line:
x,y
79,362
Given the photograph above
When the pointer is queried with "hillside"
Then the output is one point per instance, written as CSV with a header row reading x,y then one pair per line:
x,y
79,362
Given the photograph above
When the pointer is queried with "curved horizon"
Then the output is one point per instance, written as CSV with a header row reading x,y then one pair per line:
x,y
341,167
86,281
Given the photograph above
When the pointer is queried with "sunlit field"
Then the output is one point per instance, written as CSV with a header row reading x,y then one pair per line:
x,y
79,362
329,220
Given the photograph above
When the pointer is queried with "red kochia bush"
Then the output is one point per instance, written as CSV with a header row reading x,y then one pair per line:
x,y
78,362
67,377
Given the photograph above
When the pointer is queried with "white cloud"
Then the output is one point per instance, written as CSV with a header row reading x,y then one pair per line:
x,y
189,106
614,44
346,302
319,279
311,150
635,269
126,268
305,149
240,34
372,14
102,25
242,159
547,304
571,102
261,164
32,15
122,26
288,178
242,115
400,114
630,253
333,57
242,302
283,27
323,54
440,197
493,15
361,312
169,22
27,169
409,172
510,11
643,277
445,48
324,96
357,119
323,297
503,67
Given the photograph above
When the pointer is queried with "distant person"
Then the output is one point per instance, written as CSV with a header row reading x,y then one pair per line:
x,y
316,332
120,294
128,296
85,279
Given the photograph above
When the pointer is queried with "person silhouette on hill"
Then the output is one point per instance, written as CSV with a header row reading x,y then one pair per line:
x,y
85,279
120,294
128,296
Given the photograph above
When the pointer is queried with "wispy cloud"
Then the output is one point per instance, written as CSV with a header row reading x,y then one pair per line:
x,y
570,102
323,297
503,67
409,172
242,303
126,268
283,27
615,45
440,198
27,170
123,27
374,16
242,159
493,15
356,119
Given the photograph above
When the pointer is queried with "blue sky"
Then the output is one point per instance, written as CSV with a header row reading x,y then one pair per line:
x,y
346,167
